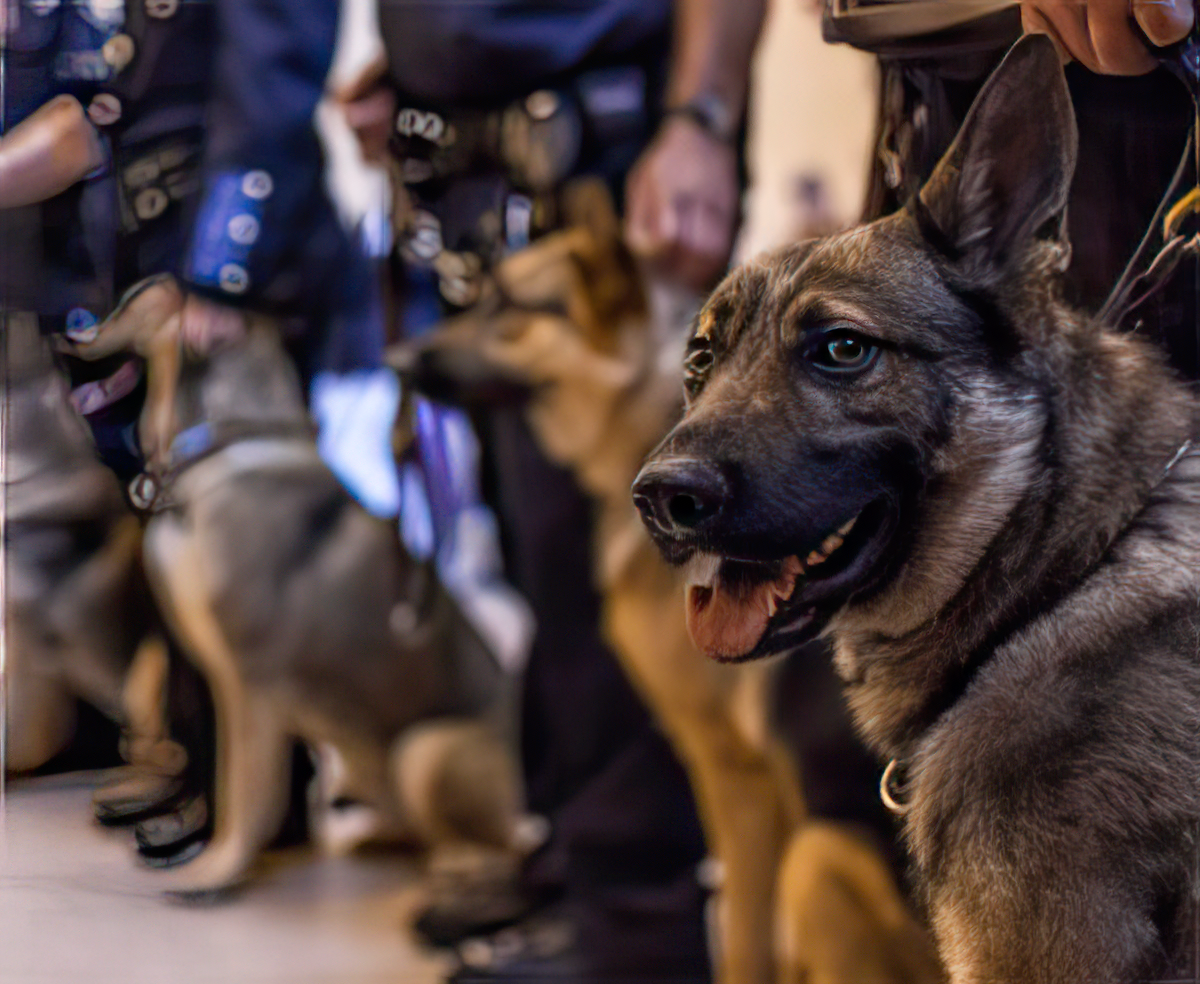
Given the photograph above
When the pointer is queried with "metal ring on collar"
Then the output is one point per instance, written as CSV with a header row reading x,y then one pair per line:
x,y
892,802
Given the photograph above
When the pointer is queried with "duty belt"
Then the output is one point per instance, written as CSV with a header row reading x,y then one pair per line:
x,y
478,184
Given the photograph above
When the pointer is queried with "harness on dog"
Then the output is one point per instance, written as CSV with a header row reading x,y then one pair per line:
x,y
150,491
892,784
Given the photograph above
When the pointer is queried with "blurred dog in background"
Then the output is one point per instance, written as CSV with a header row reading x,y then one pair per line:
x,y
565,328
78,610
304,614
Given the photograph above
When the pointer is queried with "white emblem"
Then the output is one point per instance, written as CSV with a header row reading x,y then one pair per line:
x,y
233,278
243,229
257,185
418,123
150,203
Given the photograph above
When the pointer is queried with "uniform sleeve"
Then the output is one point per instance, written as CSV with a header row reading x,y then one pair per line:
x,y
264,222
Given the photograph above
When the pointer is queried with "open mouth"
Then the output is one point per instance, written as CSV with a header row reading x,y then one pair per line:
x,y
743,609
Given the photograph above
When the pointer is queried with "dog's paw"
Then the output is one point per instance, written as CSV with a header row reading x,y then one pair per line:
x,y
166,833
213,876
179,853
136,797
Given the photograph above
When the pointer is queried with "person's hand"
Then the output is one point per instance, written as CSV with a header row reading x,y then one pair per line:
x,y
681,204
206,326
369,105
1101,34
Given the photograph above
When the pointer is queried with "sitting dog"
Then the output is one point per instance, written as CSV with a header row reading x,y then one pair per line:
x,y
76,603
901,436
303,613
565,329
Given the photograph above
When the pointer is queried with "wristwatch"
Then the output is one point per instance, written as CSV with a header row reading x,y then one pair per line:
x,y
711,113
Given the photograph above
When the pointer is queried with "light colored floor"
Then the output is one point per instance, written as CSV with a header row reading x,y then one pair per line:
x,y
75,907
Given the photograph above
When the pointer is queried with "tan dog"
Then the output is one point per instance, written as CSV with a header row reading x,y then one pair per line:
x,y
75,601
303,612
567,322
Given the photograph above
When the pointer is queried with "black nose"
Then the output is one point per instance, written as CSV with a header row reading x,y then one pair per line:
x,y
680,495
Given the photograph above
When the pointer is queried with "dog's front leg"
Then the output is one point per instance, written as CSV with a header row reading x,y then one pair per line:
x,y
1053,908
250,793
253,745
155,761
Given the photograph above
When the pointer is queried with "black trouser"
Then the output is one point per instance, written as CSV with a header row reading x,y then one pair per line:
x,y
626,840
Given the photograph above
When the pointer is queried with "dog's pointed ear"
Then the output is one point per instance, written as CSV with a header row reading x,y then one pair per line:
x,y
1009,169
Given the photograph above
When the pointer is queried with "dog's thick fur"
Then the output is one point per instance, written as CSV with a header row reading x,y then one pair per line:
x,y
76,605
304,613
567,331
1016,611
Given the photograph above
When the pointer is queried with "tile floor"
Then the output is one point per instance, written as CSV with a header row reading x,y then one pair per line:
x,y
75,908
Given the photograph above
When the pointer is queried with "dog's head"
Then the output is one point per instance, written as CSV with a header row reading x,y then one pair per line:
x,y
561,329
840,389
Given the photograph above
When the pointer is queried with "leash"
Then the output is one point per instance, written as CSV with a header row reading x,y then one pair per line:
x,y
1140,279
891,785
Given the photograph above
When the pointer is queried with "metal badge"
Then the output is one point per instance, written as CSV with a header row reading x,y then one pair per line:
x,y
233,278
420,123
104,109
150,203
243,229
161,9
257,185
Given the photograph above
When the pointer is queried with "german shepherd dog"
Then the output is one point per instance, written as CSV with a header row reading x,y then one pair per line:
x,y
304,614
565,329
76,606
902,437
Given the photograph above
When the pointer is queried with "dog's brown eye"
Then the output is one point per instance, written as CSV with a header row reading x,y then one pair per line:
x,y
843,353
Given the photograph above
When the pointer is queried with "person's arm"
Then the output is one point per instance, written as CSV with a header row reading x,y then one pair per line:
x,y
1102,34
682,197
262,172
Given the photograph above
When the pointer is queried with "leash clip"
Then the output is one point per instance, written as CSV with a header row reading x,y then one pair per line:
x,y
887,784
143,492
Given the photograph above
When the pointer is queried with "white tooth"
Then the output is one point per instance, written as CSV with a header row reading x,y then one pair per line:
x,y
702,569
831,543
843,530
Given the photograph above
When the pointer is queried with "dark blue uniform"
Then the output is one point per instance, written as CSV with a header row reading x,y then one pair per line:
x,y
585,77
215,171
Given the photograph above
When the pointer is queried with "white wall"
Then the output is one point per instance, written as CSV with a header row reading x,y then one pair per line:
x,y
812,112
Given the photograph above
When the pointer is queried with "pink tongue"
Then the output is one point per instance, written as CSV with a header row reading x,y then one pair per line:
x,y
728,624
